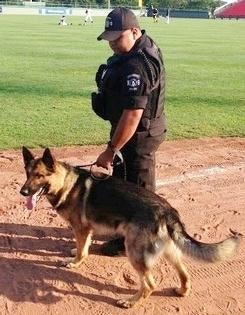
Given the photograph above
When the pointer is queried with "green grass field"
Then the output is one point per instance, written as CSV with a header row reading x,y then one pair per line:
x,y
47,75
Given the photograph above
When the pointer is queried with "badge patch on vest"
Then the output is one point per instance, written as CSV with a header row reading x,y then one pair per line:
x,y
133,82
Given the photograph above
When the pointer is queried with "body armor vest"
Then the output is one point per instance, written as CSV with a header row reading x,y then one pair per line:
x,y
153,116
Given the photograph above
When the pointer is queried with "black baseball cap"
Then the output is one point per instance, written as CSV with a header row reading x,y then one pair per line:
x,y
118,21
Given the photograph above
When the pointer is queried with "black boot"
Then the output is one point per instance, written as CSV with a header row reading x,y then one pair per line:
x,y
114,247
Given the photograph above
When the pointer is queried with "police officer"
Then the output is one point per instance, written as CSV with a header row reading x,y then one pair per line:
x,y
131,88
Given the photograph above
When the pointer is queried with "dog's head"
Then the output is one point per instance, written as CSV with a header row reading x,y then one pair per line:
x,y
38,172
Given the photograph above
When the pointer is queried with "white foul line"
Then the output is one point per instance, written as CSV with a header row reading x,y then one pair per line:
x,y
198,174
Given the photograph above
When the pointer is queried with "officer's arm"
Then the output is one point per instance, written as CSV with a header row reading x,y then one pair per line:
x,y
126,128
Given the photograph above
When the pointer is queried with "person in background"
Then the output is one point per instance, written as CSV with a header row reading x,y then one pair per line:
x,y
62,21
131,93
167,17
155,14
88,17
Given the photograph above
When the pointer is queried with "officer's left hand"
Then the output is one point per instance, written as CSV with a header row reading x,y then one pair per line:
x,y
105,159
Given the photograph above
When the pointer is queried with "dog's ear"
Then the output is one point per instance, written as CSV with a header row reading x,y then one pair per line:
x,y
48,159
27,155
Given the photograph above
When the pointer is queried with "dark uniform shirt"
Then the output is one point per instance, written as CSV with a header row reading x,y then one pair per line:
x,y
129,82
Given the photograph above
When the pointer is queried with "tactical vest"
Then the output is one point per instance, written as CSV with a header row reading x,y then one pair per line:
x,y
153,114
153,118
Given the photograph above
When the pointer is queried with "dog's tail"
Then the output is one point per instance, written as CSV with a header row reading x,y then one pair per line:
x,y
213,252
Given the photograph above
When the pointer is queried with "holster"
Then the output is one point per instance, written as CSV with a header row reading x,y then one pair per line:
x,y
99,74
98,105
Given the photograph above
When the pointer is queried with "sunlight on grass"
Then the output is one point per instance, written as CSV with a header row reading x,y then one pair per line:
x,y
47,75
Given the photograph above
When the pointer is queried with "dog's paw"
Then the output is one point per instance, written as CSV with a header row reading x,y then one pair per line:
x,y
65,262
72,263
125,303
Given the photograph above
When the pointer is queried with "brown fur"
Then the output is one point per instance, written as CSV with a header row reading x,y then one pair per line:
x,y
150,225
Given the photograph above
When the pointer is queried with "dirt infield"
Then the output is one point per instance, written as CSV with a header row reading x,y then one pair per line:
x,y
204,179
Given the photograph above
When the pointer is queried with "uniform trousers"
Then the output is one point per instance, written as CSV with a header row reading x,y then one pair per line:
x,y
139,156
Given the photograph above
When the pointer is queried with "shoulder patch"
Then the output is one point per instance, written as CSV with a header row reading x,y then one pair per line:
x,y
133,81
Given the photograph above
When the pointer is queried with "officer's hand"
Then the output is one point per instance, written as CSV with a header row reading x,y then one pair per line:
x,y
105,159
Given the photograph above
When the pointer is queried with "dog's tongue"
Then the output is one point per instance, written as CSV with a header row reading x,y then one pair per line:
x,y
31,202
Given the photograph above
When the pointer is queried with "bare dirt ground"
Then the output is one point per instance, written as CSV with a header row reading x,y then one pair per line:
x,y
204,179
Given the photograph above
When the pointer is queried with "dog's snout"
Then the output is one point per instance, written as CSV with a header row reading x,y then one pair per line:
x,y
24,191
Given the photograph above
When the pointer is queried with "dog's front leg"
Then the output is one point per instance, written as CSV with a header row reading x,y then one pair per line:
x,y
83,241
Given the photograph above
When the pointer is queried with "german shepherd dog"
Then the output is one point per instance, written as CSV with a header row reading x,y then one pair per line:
x,y
150,225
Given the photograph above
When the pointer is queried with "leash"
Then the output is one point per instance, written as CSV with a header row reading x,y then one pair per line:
x,y
117,154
